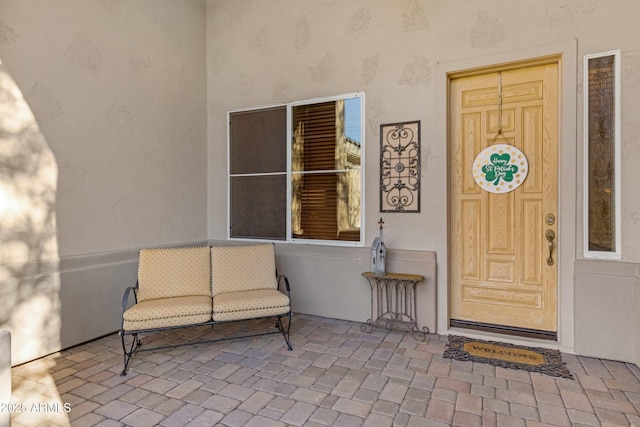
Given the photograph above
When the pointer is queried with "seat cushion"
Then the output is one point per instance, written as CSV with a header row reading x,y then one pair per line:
x,y
174,272
166,312
243,268
249,304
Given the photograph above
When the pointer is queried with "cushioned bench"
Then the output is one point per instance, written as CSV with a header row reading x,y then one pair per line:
x,y
195,286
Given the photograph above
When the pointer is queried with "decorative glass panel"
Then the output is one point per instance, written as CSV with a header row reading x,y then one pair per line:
x,y
602,167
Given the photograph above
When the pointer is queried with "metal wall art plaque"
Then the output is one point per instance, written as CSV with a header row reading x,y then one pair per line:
x,y
400,167
500,168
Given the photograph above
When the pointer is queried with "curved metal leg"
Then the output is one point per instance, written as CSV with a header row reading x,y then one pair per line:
x,y
367,327
129,353
285,333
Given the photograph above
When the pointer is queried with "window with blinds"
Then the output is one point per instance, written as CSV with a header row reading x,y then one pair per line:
x,y
315,197
602,152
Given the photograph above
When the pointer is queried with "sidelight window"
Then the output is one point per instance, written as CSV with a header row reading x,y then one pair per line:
x,y
602,155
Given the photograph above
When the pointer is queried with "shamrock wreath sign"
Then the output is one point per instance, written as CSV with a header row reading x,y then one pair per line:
x,y
500,168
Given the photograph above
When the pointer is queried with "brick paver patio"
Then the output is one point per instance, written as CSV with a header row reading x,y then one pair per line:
x,y
335,376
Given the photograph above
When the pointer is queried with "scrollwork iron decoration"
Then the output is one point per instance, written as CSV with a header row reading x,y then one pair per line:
x,y
400,167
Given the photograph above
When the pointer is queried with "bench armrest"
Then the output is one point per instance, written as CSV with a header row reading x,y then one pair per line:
x,y
125,298
125,302
282,278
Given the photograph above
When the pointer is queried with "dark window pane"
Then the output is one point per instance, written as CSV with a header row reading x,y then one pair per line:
x,y
259,207
258,141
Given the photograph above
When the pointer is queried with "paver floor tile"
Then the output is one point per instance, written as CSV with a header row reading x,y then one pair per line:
x,y
143,418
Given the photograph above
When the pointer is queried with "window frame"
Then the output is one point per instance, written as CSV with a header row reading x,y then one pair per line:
x,y
288,238
617,206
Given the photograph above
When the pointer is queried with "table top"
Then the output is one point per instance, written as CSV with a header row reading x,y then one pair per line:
x,y
393,276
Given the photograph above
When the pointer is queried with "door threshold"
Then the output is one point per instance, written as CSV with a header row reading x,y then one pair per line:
x,y
504,330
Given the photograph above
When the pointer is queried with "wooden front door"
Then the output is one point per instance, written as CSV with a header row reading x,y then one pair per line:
x,y
503,245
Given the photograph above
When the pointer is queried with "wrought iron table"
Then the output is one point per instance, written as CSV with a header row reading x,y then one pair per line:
x,y
395,303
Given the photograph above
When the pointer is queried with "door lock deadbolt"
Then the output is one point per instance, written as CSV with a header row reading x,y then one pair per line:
x,y
550,219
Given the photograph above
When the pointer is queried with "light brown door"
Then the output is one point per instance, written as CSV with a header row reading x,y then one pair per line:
x,y
503,259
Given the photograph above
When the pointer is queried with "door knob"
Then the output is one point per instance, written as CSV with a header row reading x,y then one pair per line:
x,y
550,235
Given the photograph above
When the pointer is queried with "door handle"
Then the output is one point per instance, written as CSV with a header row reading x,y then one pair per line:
x,y
550,235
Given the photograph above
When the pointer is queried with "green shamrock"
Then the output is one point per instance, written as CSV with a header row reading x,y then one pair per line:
x,y
499,169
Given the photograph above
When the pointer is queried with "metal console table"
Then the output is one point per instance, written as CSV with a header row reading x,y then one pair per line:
x,y
395,303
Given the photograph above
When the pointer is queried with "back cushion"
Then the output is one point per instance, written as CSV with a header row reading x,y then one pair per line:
x,y
174,272
243,268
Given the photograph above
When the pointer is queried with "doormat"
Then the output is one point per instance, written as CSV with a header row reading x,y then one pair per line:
x,y
510,356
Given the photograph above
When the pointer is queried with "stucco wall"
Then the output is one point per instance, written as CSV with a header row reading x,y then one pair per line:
x,y
264,52
102,151
606,310
5,375
328,282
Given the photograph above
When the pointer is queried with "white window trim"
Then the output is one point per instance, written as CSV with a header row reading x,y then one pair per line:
x,y
289,107
617,254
